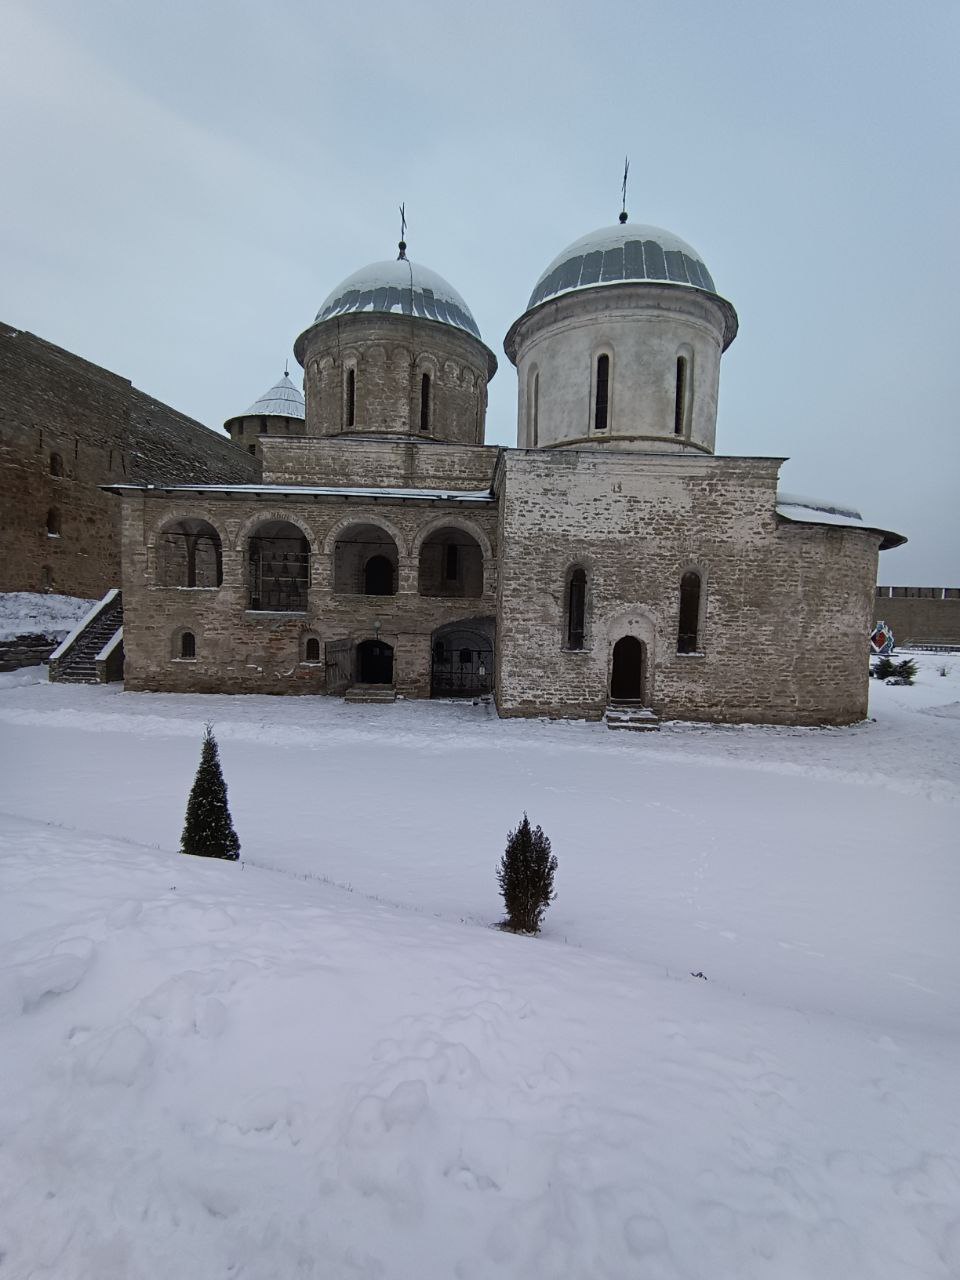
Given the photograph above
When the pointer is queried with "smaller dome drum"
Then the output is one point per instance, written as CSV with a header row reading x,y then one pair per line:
x,y
394,350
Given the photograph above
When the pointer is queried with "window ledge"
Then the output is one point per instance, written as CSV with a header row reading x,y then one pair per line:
x,y
162,586
565,649
188,661
699,653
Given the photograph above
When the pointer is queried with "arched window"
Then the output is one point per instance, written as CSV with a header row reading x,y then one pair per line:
x,y
188,645
311,649
251,448
351,397
451,564
688,635
602,397
53,523
533,410
366,561
189,554
278,567
46,578
378,577
56,464
576,608
425,402
680,400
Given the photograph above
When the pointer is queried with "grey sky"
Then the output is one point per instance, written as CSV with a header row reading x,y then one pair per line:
x,y
184,184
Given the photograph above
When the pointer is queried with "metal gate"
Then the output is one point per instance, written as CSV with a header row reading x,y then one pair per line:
x,y
462,666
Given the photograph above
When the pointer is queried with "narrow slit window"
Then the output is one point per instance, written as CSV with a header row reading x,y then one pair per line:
x,y
351,397
56,464
535,412
425,402
601,407
311,651
188,645
688,637
451,563
53,523
680,402
576,609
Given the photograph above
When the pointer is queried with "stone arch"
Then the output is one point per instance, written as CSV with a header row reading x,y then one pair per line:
x,y
453,521
641,625
179,514
333,534
365,558
265,517
277,563
189,553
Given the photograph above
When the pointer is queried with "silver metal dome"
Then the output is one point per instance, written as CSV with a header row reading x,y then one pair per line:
x,y
400,287
283,400
624,252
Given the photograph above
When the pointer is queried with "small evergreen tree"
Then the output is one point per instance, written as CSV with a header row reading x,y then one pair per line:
x,y
526,874
883,668
906,671
208,830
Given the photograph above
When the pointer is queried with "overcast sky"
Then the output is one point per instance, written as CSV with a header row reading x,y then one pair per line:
x,y
184,183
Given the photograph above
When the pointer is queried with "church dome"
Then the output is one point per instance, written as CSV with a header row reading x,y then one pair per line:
x,y
283,400
624,252
400,287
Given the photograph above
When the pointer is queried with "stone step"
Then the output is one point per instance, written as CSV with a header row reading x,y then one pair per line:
x,y
625,715
370,693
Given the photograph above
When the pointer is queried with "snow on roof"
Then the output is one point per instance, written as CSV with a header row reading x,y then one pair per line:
x,y
791,506
403,287
625,251
283,400
322,491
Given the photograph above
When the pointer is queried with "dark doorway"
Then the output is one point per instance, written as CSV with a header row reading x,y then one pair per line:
x,y
374,662
462,660
629,660
378,577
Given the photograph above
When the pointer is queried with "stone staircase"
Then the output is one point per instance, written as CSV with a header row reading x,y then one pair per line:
x,y
370,693
630,715
77,660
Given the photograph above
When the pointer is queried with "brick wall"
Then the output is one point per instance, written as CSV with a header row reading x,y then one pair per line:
x,y
102,430
929,618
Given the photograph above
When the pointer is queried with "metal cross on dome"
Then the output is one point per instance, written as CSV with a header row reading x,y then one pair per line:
x,y
623,203
403,233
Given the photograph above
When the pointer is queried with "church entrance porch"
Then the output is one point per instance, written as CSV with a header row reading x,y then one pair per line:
x,y
629,670
462,659
374,662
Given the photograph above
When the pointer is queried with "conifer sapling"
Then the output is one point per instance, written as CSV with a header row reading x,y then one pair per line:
x,y
208,830
526,874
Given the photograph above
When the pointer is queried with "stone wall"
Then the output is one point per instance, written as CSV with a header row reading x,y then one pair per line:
x,y
66,427
239,650
785,609
920,615
389,356
356,463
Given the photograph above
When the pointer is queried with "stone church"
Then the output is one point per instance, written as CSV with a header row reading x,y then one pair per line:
x,y
611,564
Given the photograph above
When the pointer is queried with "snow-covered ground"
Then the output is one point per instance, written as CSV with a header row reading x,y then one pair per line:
x,y
324,1063
31,613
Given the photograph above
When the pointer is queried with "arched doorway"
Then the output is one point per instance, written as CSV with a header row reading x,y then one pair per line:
x,y
461,664
378,577
374,662
627,676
